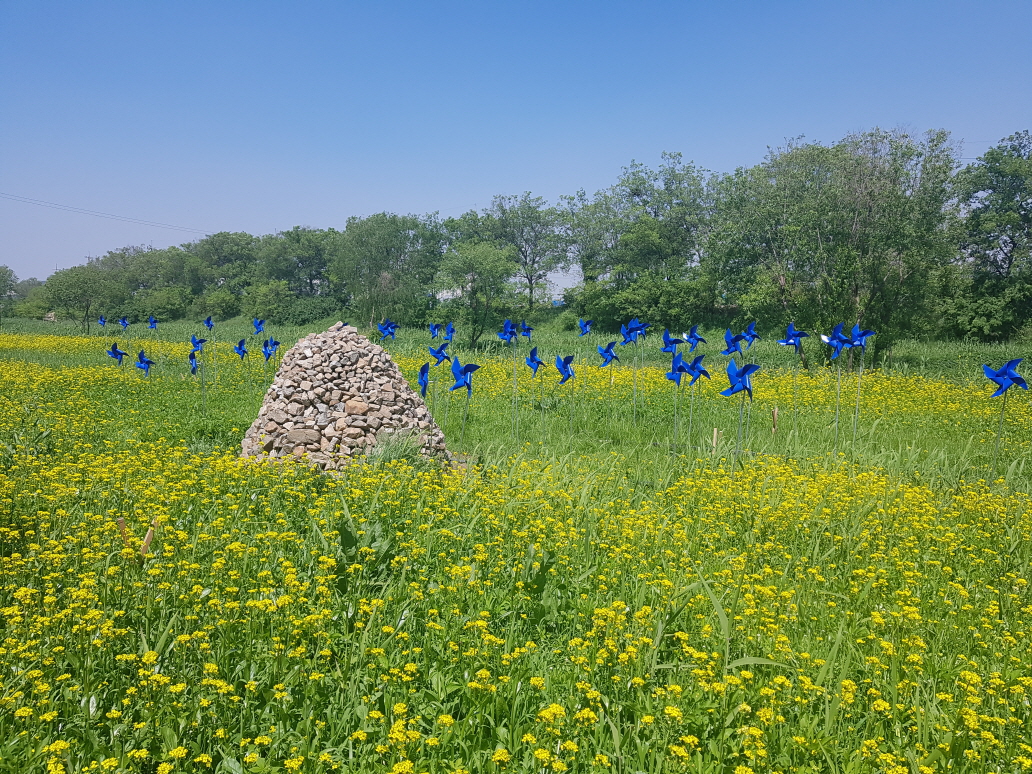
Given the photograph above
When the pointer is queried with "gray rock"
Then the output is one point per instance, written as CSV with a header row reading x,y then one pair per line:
x,y
333,393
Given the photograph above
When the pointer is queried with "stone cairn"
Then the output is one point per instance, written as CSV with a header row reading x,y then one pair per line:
x,y
335,395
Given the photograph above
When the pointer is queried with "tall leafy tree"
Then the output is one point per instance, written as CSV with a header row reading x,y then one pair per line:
x,y
476,278
593,228
855,231
77,292
384,266
996,192
532,229
8,280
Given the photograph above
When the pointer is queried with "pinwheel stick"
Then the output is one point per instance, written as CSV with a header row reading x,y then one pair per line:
x,y
634,394
541,403
856,410
738,445
465,413
795,402
677,405
999,433
838,401
447,407
204,391
691,415
515,398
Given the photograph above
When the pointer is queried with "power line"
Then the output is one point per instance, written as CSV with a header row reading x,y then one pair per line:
x,y
94,213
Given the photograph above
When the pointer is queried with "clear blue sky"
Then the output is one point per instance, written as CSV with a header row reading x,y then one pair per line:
x,y
256,116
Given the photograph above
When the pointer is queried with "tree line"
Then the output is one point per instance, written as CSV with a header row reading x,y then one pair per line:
x,y
885,228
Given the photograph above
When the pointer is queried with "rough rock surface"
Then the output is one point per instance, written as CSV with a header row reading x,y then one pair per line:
x,y
334,396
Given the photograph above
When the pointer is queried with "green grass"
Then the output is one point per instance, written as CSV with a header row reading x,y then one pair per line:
x,y
585,600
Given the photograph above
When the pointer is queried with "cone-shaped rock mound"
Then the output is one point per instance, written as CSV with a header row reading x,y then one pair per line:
x,y
335,395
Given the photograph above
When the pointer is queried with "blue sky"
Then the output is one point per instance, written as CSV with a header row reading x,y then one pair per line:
x,y
257,116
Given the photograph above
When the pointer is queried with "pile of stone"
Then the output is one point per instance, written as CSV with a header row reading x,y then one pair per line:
x,y
336,395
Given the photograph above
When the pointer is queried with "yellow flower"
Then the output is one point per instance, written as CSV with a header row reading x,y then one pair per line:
x,y
501,756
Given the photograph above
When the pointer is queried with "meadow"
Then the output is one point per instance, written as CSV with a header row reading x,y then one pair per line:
x,y
591,589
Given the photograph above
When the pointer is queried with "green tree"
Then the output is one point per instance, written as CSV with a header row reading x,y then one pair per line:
x,y
268,300
77,292
8,281
230,259
24,287
299,257
996,192
384,266
858,231
477,278
593,230
532,229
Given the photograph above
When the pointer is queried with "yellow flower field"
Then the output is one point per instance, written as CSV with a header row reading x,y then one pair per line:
x,y
605,610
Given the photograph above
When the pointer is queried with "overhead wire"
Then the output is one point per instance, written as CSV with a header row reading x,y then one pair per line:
x,y
96,214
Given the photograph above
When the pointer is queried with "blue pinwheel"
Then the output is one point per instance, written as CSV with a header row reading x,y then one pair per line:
x,y
449,331
858,338
387,328
102,321
268,350
273,344
733,341
533,361
115,352
693,338
439,353
794,338
193,361
669,342
209,323
423,378
152,322
435,330
638,327
463,375
629,335
525,330
508,333
124,322
740,378
259,326
740,382
198,344
563,364
677,369
696,370
749,335
585,326
838,341
608,354
241,348
144,363
1005,377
